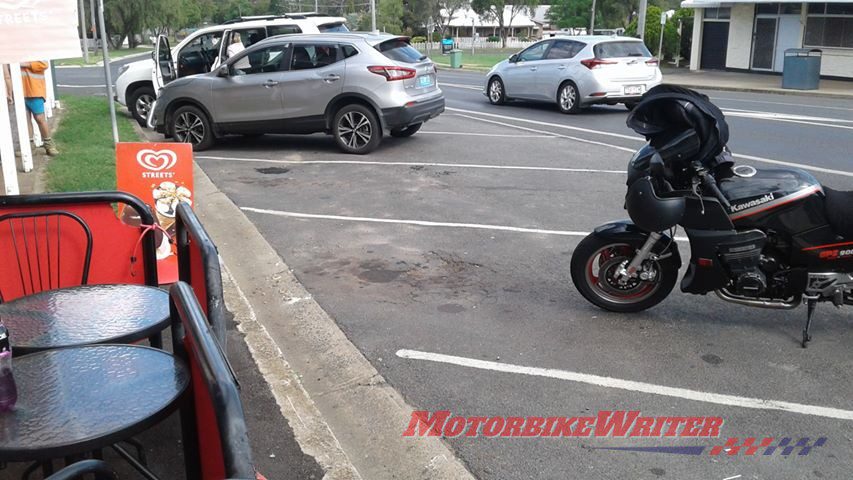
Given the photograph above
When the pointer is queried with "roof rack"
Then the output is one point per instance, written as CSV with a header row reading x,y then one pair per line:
x,y
291,16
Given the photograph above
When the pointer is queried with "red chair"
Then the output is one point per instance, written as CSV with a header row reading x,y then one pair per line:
x,y
198,265
95,245
216,441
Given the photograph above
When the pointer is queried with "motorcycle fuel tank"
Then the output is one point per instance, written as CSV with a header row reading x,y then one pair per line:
x,y
754,192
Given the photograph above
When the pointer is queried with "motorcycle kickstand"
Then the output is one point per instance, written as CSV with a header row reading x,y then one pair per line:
x,y
812,303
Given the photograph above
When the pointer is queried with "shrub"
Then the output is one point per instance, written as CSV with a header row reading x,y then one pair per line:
x,y
419,39
493,38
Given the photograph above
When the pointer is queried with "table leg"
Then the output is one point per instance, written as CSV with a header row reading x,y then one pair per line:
x,y
156,341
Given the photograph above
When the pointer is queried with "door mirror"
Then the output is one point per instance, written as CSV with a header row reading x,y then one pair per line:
x,y
513,58
223,71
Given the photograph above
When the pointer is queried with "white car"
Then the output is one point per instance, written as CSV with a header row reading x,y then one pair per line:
x,y
202,51
575,72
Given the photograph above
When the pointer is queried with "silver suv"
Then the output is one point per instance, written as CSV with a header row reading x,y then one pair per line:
x,y
354,86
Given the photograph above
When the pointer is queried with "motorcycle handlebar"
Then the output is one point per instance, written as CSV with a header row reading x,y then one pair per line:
x,y
710,183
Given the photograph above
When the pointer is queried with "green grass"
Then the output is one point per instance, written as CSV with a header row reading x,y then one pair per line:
x,y
85,141
480,59
97,57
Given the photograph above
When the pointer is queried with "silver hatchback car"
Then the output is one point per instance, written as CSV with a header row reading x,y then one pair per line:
x,y
575,72
354,86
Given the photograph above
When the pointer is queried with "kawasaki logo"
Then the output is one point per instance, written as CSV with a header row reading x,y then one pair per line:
x,y
753,203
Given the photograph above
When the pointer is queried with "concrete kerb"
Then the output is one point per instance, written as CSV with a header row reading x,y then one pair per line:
x,y
366,415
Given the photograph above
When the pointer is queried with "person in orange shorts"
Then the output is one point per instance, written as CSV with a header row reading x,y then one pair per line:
x,y
35,93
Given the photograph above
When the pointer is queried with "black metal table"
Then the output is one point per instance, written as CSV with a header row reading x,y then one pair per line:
x,y
85,315
81,399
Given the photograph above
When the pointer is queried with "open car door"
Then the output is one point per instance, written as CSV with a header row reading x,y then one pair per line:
x,y
223,50
164,64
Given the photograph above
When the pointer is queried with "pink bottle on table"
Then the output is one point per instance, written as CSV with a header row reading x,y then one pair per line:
x,y
8,390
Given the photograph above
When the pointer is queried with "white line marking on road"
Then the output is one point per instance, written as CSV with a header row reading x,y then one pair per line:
x,y
458,85
81,86
609,382
508,135
781,116
733,478
411,164
639,139
569,137
421,223
801,105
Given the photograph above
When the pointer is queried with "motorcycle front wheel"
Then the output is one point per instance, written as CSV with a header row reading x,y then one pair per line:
x,y
595,265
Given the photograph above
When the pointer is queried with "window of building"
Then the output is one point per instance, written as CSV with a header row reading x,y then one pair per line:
x,y
721,13
829,25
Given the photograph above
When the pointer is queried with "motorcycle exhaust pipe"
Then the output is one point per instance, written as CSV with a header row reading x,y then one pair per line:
x,y
794,302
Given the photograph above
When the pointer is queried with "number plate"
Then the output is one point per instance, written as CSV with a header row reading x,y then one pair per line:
x,y
633,90
425,81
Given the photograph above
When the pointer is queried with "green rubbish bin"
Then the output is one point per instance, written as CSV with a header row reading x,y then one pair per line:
x,y
801,70
456,59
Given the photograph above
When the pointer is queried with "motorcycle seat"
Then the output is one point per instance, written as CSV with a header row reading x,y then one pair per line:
x,y
839,211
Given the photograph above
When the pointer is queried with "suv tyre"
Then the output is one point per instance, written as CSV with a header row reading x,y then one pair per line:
x,y
139,103
356,129
190,125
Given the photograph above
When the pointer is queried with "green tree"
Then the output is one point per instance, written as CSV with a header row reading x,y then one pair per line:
x,y
570,13
390,16
502,13
653,33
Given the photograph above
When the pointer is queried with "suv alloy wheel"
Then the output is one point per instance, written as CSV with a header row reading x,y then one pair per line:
x,y
356,129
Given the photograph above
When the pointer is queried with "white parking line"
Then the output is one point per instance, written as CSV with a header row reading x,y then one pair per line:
x,y
421,223
82,86
628,137
458,85
610,382
801,105
507,135
410,164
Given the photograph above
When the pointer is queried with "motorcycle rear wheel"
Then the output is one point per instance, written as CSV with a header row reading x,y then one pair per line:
x,y
595,262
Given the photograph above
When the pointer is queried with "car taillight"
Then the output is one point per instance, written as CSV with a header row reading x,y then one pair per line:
x,y
591,63
654,62
393,73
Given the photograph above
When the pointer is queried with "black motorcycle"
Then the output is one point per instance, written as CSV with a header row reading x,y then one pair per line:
x,y
771,238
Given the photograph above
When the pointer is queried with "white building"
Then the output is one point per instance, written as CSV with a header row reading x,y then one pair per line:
x,y
752,35
465,21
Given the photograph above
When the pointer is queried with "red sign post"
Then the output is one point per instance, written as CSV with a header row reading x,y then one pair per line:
x,y
161,174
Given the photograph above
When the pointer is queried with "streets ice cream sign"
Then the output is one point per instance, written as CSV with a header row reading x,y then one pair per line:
x,y
38,30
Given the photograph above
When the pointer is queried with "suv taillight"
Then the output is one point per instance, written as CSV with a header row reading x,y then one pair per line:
x,y
393,73
654,62
591,63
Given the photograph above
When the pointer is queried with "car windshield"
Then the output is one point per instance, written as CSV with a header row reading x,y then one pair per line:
x,y
621,49
333,27
399,50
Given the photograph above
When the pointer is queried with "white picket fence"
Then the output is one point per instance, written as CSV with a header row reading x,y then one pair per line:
x,y
479,44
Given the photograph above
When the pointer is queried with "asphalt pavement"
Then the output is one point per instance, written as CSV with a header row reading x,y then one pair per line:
x,y
445,259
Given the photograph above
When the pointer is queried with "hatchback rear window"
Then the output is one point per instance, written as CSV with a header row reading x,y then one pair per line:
x,y
333,28
399,50
621,50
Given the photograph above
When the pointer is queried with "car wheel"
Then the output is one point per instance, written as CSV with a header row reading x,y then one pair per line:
x,y
191,125
568,98
497,93
139,104
406,132
630,105
356,129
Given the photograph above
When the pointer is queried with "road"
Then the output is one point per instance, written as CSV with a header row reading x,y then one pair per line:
x,y
445,260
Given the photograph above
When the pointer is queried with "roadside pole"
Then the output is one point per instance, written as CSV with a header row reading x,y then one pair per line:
x,y
107,73
592,20
7,150
662,26
83,37
641,21
373,16
473,35
92,22
678,47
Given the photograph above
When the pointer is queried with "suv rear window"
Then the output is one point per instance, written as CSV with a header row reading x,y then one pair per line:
x,y
333,27
400,50
621,50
